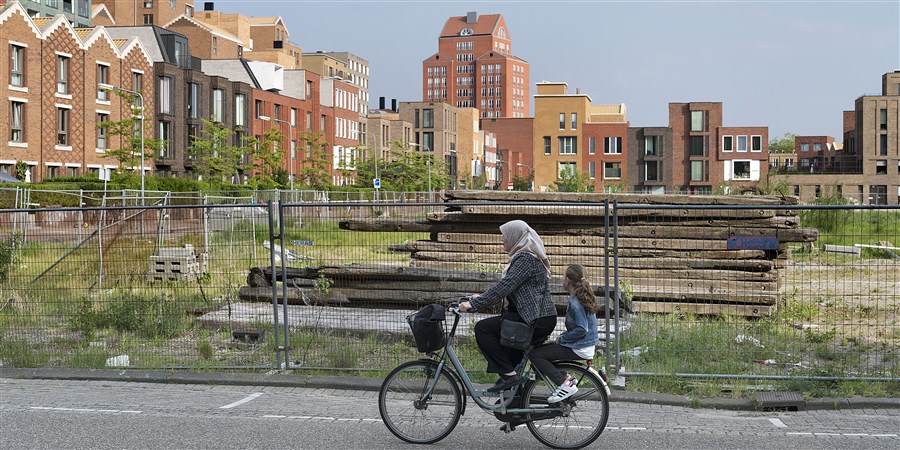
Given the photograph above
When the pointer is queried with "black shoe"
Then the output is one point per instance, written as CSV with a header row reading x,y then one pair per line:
x,y
504,383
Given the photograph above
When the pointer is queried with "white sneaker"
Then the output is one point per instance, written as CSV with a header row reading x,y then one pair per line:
x,y
565,390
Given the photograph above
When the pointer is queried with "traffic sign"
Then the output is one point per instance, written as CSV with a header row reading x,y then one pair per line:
x,y
377,183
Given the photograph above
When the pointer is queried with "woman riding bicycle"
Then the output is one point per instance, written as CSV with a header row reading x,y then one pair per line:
x,y
580,338
525,286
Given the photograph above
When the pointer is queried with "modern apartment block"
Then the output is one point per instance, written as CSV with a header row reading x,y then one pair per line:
x,y
146,12
384,128
648,152
869,162
340,119
705,154
53,97
470,158
77,11
261,38
474,67
572,135
514,146
434,131
356,72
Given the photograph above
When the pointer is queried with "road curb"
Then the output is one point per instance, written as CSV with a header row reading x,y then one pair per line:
x,y
281,379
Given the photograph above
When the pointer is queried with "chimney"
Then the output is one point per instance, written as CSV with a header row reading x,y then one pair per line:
x,y
381,103
394,104
209,6
472,17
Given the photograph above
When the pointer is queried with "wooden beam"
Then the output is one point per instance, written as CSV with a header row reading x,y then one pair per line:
x,y
753,265
704,309
650,199
526,211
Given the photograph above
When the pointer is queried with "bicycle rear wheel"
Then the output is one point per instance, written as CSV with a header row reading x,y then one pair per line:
x,y
583,416
411,415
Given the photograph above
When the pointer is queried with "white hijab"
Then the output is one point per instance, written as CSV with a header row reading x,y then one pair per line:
x,y
519,237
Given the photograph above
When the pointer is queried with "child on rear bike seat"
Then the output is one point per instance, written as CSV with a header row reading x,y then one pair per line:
x,y
578,341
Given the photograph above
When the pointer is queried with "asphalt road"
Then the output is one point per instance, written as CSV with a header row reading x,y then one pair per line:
x,y
38,413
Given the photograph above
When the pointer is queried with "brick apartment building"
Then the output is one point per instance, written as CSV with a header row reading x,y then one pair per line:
x,y
137,13
474,68
54,103
434,131
868,165
648,153
79,12
515,152
571,134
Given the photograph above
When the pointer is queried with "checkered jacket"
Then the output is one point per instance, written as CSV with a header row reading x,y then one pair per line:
x,y
526,288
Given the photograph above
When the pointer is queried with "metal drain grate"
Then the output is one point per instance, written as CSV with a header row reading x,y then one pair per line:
x,y
784,401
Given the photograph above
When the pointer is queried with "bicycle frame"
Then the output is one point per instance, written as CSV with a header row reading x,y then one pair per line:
x,y
479,394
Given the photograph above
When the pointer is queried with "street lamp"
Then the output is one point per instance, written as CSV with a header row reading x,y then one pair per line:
x,y
290,142
109,87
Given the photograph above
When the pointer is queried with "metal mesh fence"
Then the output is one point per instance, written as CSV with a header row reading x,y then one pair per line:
x,y
748,291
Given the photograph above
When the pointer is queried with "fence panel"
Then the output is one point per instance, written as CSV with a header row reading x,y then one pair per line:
x,y
774,292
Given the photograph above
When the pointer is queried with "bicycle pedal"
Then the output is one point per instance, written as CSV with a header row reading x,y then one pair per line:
x,y
507,427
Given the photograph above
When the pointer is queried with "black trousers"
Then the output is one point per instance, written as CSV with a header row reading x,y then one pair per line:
x,y
502,359
542,359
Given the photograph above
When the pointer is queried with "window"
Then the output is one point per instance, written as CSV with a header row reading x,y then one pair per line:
x,y
612,145
574,121
17,122
148,4
193,100
881,167
62,127
882,145
567,167
293,118
592,170
562,121
102,78
323,122
276,113
218,105
740,170
592,145
427,118
547,150
697,171
612,170
755,143
148,19
240,106
697,121
215,45
817,147
308,90
882,119
697,147
727,143
651,170
650,143
568,145
878,194
257,110
101,131
742,143
137,81
171,4
52,171
62,74
428,141
165,95
17,65
309,121
165,136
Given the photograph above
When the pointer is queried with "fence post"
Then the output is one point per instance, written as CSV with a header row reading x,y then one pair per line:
x,y
274,281
284,287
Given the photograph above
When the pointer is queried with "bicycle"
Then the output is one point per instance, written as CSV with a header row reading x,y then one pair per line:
x,y
421,401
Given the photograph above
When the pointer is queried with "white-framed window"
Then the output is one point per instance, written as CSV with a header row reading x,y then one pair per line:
x,y
102,77
148,4
218,105
240,110
574,121
16,65
165,137
62,74
193,100
165,95
568,145
727,143
62,126
756,143
215,45
742,170
16,121
567,167
697,123
612,145
562,121
592,169
547,150
592,145
742,143
294,117
612,170
804,147
817,147
101,131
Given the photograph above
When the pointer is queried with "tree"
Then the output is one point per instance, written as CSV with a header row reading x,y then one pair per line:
x,y
129,128
782,145
268,158
405,170
523,183
573,181
215,159
315,168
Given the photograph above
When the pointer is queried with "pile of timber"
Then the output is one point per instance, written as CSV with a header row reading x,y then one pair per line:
x,y
672,260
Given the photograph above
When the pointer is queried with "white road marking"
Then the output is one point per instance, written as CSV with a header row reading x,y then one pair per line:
x,y
778,423
114,411
241,401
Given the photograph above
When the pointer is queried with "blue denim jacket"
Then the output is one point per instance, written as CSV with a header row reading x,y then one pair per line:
x,y
581,327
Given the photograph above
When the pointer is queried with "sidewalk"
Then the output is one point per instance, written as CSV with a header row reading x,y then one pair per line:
x,y
373,384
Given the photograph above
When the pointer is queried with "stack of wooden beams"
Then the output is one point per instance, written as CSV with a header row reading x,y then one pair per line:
x,y
673,259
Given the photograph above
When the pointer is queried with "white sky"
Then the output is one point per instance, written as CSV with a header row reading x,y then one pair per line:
x,y
793,66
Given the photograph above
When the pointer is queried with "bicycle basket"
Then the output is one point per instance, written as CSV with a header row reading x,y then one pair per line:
x,y
427,326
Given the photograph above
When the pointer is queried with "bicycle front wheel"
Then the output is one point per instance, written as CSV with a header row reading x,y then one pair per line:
x,y
412,413
574,422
